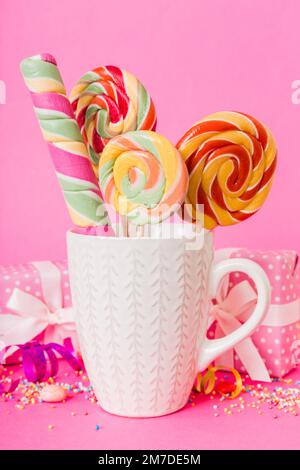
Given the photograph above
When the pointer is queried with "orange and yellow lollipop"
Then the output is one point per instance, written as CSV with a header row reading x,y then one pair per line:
x,y
231,159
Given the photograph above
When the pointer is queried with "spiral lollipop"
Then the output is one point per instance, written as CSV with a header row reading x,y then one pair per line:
x,y
143,176
231,159
60,130
109,101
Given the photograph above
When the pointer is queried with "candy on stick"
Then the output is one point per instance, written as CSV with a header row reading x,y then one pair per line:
x,y
231,159
144,170
61,132
109,101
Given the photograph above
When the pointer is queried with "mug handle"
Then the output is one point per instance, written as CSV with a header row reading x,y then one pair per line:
x,y
212,348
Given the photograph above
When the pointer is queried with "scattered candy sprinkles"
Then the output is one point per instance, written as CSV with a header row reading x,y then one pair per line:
x,y
281,397
30,393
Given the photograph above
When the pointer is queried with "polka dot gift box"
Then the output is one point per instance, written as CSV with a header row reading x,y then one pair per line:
x,y
35,303
274,348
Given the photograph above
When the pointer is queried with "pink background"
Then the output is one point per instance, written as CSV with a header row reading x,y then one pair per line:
x,y
195,57
194,427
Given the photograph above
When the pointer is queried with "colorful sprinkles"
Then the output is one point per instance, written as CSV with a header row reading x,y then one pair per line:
x,y
29,393
281,397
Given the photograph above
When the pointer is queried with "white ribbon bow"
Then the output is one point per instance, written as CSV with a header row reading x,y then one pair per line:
x,y
231,310
33,316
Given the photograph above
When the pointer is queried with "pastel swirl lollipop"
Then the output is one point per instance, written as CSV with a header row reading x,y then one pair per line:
x,y
143,175
231,159
109,101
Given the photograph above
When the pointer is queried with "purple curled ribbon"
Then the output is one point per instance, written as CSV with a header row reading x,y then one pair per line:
x,y
10,389
40,361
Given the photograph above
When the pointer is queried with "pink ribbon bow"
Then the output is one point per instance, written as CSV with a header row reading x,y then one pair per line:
x,y
233,307
33,316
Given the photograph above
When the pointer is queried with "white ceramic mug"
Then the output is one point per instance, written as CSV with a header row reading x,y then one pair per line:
x,y
141,307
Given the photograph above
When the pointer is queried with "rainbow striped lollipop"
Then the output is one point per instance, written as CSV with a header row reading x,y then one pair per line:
x,y
109,101
60,130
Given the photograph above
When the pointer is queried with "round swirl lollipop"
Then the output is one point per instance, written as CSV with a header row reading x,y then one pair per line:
x,y
231,159
143,176
109,101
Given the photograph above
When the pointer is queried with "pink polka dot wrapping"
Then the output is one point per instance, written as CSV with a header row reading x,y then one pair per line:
x,y
277,339
26,277
282,269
